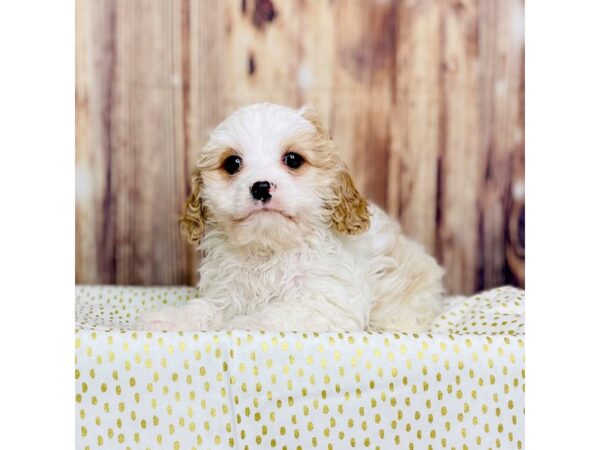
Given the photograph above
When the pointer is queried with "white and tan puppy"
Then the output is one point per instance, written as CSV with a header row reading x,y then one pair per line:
x,y
288,243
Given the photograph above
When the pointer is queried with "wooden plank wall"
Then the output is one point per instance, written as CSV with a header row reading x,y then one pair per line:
x,y
425,99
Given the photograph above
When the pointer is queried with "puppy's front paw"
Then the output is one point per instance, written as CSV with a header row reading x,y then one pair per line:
x,y
165,319
195,315
244,323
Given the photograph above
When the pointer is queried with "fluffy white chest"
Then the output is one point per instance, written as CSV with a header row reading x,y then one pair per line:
x,y
243,283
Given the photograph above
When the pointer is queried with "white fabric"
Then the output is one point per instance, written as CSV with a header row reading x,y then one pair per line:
x,y
283,390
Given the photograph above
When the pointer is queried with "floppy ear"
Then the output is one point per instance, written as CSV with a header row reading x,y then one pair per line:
x,y
192,221
349,211
350,214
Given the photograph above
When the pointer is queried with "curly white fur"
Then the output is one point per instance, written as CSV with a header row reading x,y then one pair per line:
x,y
302,260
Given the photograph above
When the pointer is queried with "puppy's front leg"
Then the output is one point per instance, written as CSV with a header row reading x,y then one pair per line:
x,y
197,314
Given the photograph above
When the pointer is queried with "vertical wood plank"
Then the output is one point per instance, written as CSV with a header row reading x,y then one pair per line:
x,y
261,53
148,150
363,91
136,90
205,97
125,203
460,168
88,170
95,25
315,38
501,133
415,121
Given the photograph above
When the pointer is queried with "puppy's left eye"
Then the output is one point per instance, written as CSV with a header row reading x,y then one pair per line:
x,y
293,160
232,164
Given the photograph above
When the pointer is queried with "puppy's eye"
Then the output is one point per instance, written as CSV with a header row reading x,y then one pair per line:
x,y
293,160
232,164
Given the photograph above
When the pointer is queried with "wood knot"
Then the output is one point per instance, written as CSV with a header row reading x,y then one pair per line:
x,y
264,12
251,64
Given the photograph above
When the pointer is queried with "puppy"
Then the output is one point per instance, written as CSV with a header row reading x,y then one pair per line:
x,y
287,241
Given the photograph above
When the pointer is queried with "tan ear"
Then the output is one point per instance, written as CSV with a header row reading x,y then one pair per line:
x,y
310,114
192,221
350,214
349,209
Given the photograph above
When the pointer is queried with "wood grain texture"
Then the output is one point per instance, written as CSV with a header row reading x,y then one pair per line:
x,y
415,121
460,175
425,100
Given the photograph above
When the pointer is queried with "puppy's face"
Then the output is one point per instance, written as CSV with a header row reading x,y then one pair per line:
x,y
269,174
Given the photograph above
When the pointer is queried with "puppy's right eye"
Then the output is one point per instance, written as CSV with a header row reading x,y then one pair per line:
x,y
232,164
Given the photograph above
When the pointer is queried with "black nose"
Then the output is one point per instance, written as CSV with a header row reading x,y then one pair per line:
x,y
260,191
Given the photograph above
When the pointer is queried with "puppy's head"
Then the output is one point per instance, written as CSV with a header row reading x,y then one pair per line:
x,y
271,175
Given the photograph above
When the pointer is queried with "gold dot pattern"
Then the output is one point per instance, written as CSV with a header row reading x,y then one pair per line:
x,y
461,386
495,312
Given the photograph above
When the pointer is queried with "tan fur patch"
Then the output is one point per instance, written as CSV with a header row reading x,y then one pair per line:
x,y
351,214
192,221
311,115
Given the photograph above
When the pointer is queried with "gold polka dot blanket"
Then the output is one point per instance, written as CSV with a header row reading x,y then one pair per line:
x,y
460,386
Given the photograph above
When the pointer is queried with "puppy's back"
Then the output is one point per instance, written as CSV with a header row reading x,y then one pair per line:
x,y
407,282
